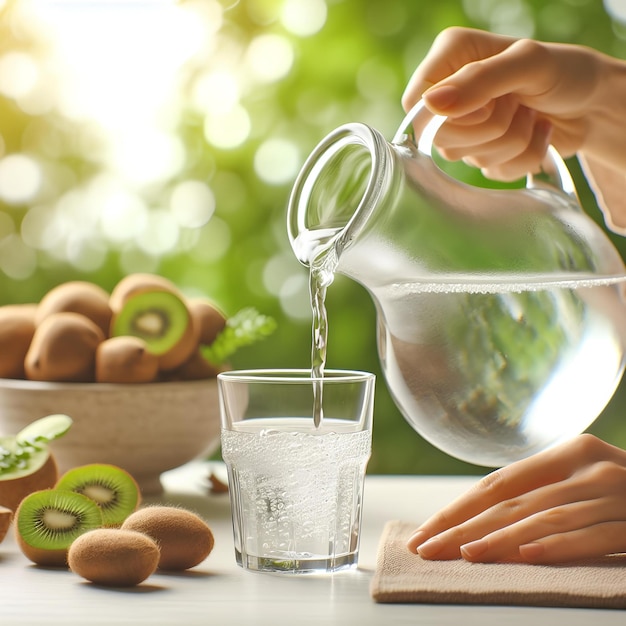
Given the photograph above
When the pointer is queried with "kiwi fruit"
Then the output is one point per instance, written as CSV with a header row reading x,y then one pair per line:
x,y
113,557
63,349
112,488
208,318
133,284
43,474
161,318
125,359
17,327
183,537
48,521
6,515
77,296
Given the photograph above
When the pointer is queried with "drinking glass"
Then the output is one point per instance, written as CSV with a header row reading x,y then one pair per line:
x,y
296,489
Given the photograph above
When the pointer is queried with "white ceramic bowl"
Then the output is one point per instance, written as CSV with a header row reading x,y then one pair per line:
x,y
146,429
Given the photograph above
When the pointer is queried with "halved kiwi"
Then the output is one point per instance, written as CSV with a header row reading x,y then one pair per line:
x,y
48,521
161,318
112,488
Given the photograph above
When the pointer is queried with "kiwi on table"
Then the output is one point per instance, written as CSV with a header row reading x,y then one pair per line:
x,y
184,538
77,296
6,515
161,318
208,317
17,327
26,462
125,359
133,284
113,557
47,522
63,349
112,488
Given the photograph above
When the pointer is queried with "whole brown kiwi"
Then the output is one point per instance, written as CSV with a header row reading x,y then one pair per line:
x,y
63,349
77,296
113,557
209,319
17,327
184,538
125,359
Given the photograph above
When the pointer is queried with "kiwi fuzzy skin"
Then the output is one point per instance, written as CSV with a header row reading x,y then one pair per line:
x,y
125,359
17,327
14,490
113,557
77,296
63,349
6,515
183,537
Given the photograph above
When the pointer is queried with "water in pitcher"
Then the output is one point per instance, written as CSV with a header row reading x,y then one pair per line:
x,y
495,370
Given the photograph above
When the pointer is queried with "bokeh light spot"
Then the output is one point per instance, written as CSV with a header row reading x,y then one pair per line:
x,y
20,178
277,161
18,74
304,17
269,57
228,130
192,203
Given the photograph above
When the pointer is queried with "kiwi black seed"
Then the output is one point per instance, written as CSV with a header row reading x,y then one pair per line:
x,y
161,318
48,521
112,488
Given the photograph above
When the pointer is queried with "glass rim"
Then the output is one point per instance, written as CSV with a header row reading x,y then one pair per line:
x,y
295,376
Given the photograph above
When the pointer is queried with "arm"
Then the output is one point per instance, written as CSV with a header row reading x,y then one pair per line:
x,y
564,504
507,99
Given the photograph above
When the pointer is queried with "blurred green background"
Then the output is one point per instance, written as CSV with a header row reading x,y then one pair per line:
x,y
163,136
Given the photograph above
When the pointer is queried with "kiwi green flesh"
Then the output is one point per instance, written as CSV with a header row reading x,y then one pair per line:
x,y
30,465
160,318
113,490
52,519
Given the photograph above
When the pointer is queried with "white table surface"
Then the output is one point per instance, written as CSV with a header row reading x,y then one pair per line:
x,y
219,593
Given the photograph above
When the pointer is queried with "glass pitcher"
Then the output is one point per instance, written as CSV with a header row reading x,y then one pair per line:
x,y
500,312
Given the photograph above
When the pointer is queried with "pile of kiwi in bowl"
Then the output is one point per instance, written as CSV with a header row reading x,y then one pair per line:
x,y
135,369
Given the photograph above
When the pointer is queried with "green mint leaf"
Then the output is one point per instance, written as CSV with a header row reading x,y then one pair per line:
x,y
242,329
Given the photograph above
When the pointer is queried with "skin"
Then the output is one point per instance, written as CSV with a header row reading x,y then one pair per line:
x,y
564,504
506,100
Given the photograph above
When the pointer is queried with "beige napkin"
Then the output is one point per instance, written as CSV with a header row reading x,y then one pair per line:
x,y
405,577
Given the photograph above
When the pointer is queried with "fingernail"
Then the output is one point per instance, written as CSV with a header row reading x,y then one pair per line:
x,y
416,539
531,551
430,548
474,549
441,98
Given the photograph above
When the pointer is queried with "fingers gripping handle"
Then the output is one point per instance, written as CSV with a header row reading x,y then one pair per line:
x,y
420,126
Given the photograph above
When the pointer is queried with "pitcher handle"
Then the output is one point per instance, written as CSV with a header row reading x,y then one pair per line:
x,y
554,171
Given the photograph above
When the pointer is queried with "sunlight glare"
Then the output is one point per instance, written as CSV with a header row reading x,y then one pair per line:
x,y
277,161
229,129
192,203
20,178
304,17
269,57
